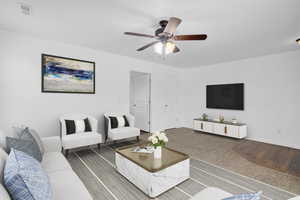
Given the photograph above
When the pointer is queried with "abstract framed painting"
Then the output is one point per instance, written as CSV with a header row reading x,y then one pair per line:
x,y
67,75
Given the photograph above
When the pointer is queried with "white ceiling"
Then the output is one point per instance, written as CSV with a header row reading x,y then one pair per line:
x,y
236,29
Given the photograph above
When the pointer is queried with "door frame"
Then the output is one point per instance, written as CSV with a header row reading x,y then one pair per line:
x,y
149,75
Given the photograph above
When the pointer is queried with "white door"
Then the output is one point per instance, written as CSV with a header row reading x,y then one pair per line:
x,y
140,99
168,102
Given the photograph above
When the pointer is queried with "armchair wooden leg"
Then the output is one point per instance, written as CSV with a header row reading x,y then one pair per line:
x,y
137,138
98,146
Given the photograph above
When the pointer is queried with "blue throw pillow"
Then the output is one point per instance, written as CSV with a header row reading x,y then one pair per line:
x,y
25,178
249,196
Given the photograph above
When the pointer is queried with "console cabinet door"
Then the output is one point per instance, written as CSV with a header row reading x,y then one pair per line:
x,y
198,125
232,131
220,129
208,127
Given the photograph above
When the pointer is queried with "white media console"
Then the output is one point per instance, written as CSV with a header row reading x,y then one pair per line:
x,y
235,130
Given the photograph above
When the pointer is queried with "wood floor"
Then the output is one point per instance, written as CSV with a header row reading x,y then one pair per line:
x,y
280,158
275,165
97,170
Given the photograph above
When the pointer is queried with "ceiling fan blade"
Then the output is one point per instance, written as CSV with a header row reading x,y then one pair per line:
x,y
190,37
172,25
148,45
176,49
139,34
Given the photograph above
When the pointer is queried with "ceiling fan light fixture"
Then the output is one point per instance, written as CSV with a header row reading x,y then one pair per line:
x,y
298,41
164,48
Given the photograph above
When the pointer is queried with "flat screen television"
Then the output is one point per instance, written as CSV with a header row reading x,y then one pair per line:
x,y
228,96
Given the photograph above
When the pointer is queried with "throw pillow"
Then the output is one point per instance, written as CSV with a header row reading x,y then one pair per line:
x,y
126,121
27,133
249,196
25,178
118,121
30,134
70,127
87,125
113,122
27,146
78,126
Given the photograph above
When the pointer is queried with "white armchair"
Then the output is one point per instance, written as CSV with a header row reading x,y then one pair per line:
x,y
120,132
79,139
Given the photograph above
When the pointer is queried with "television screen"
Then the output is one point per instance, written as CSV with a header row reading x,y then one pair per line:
x,y
229,96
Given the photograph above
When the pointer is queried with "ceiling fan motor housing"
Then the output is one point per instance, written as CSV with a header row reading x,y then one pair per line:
x,y
163,24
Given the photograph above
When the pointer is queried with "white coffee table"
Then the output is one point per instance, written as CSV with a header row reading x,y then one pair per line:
x,y
153,176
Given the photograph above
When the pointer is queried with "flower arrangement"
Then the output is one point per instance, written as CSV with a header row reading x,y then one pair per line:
x,y
158,139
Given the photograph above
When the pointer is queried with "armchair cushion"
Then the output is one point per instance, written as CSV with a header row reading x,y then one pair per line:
x,y
81,139
123,132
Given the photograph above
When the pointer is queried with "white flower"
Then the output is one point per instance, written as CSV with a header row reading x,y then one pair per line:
x,y
150,138
165,139
156,133
154,140
161,137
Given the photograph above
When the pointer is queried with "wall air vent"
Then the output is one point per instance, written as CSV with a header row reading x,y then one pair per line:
x,y
25,9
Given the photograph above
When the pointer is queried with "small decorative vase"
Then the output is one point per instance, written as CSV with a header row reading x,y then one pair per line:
x,y
157,163
157,153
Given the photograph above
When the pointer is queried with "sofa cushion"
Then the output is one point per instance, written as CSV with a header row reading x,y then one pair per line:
x,y
211,193
124,132
3,193
55,161
67,185
25,178
81,139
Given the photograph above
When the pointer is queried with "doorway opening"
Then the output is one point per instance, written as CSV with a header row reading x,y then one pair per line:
x,y
140,99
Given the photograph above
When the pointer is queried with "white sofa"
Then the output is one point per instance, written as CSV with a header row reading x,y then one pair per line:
x,y
122,132
65,183
212,193
79,139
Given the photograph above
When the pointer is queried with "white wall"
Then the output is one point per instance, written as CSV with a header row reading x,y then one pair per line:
x,y
272,95
272,90
22,101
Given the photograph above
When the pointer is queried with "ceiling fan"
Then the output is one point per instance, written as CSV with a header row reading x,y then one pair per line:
x,y
165,37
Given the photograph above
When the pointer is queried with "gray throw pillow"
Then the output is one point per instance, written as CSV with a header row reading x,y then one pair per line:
x,y
27,146
30,134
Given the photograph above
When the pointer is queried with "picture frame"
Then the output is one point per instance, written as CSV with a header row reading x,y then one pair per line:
x,y
67,75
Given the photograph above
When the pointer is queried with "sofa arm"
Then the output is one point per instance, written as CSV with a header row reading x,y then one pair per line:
x,y
52,144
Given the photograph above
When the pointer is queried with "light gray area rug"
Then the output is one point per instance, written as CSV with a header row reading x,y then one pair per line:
x,y
97,171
